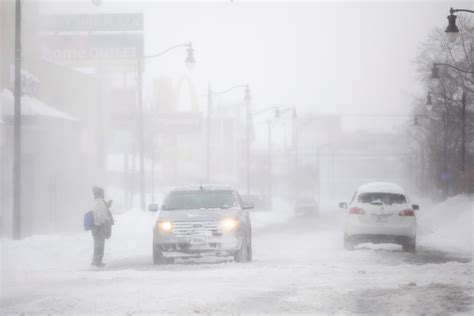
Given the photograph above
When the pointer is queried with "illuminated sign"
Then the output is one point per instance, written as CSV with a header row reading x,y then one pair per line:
x,y
95,46
92,22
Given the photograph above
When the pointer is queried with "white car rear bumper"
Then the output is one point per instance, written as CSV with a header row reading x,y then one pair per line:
x,y
405,227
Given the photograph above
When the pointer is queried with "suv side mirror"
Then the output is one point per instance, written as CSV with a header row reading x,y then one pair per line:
x,y
343,205
153,207
415,207
248,205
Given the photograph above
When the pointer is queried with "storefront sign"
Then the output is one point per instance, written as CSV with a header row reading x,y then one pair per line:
x,y
92,22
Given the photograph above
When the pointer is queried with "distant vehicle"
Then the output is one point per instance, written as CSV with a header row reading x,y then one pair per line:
x,y
260,202
202,221
306,207
379,212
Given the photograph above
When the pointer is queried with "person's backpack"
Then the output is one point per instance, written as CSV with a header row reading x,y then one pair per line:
x,y
88,220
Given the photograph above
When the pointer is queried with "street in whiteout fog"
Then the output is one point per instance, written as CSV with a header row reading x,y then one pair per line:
x,y
236,157
299,266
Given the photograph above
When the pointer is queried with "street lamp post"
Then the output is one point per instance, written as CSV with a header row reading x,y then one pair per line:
x,y
421,161
318,153
270,122
463,131
304,123
452,31
210,95
294,132
294,145
141,142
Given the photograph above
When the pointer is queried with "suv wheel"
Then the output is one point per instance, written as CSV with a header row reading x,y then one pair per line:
x,y
158,257
245,252
348,243
409,245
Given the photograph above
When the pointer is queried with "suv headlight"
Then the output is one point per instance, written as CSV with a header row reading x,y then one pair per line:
x,y
230,224
164,226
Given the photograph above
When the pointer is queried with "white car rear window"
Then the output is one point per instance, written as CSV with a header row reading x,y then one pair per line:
x,y
386,198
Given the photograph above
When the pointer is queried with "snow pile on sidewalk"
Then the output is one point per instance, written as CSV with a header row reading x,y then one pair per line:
x,y
448,225
132,237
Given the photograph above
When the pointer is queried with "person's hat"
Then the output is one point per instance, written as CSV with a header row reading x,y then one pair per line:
x,y
97,191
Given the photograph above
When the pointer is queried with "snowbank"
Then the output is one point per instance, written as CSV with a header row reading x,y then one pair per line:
x,y
132,237
448,225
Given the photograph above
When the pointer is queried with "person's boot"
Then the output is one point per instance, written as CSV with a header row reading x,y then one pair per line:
x,y
97,264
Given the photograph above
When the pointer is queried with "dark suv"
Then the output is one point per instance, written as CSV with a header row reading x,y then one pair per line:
x,y
202,220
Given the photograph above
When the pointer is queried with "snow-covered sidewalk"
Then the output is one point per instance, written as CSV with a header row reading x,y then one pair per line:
x,y
448,226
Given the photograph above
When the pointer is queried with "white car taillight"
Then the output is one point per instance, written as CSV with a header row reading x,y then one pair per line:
x,y
407,212
356,210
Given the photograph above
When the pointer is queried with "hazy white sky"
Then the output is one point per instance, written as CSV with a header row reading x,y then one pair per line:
x,y
328,57
322,57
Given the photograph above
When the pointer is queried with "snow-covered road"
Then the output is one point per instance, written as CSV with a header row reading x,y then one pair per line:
x,y
299,267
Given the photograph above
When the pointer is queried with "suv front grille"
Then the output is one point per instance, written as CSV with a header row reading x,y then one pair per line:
x,y
208,228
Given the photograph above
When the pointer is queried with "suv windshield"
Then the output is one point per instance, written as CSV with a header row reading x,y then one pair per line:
x,y
186,200
386,198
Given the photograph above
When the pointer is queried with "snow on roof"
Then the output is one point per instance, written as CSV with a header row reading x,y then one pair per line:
x,y
209,187
31,106
381,187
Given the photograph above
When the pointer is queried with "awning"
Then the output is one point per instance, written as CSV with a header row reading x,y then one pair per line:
x,y
30,106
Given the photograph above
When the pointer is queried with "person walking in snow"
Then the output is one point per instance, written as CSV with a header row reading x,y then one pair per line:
x,y
103,222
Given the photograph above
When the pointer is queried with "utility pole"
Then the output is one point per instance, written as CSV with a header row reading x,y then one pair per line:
x,y
295,161
208,133
141,134
153,171
422,170
463,132
270,184
445,154
125,157
247,139
247,150
318,154
132,178
17,233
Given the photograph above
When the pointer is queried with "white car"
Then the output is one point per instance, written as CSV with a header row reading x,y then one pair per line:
x,y
380,213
